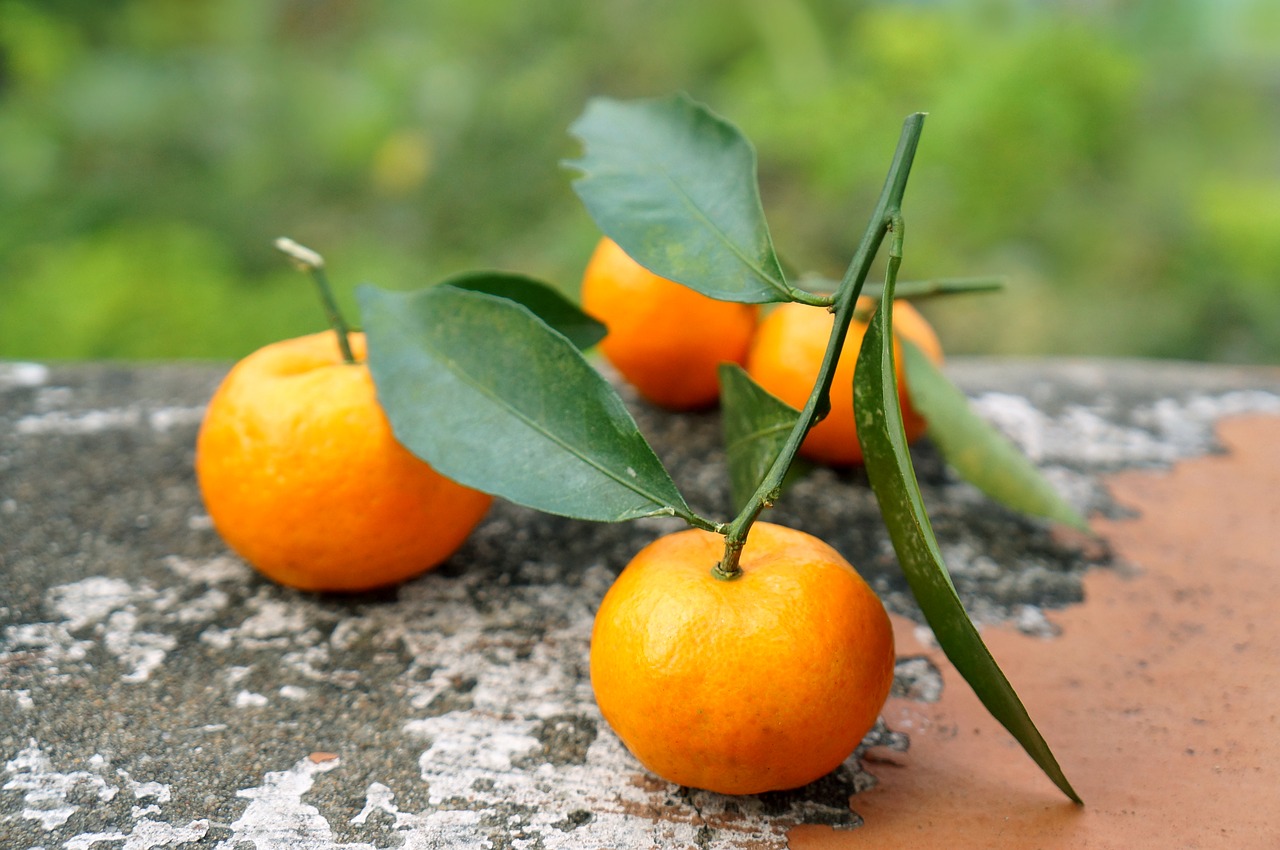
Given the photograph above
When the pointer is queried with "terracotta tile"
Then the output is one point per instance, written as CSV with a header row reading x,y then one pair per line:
x,y
1161,696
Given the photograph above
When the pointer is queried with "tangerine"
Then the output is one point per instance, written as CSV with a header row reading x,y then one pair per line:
x,y
764,682
665,339
786,356
302,476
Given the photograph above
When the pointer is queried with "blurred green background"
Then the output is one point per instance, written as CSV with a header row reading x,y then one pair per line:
x,y
1116,161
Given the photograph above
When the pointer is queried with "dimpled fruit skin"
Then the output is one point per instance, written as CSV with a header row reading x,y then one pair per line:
x,y
303,478
764,682
786,356
665,339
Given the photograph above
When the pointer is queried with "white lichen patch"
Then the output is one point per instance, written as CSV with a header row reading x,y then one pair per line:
x,y
47,647
272,618
46,791
277,817
130,622
91,600
249,699
149,834
293,692
23,375
85,840
213,571
204,607
88,422
1160,433
141,652
111,607
51,796
144,791
200,522
167,418
160,420
378,798
266,622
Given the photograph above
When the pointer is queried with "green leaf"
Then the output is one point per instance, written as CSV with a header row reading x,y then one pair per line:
x,y
545,301
489,395
675,186
893,478
976,450
756,425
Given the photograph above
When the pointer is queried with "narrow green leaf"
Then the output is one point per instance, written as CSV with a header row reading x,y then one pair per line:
x,y
911,290
675,186
756,424
490,396
976,450
544,300
917,290
893,478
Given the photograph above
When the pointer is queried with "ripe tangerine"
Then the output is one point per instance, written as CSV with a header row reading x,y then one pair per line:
x,y
302,476
665,339
764,682
786,356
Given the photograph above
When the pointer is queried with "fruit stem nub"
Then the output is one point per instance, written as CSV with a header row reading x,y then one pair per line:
x,y
727,568
307,260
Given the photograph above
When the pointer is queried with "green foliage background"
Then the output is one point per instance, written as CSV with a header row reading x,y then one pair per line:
x,y
1118,162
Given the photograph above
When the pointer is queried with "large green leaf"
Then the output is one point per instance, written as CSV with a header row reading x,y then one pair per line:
x,y
675,186
490,396
976,450
756,425
893,478
546,302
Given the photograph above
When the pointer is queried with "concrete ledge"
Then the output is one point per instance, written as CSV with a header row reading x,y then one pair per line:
x,y
154,692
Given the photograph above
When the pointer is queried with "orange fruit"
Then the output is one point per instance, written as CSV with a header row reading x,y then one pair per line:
x,y
302,476
763,682
786,355
664,338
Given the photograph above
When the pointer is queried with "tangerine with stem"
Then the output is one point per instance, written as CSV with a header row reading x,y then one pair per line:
x,y
303,477
764,682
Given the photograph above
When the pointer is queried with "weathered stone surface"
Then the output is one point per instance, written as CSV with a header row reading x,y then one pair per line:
x,y
154,692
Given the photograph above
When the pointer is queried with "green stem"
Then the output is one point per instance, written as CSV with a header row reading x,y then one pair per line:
x,y
703,523
887,211
310,261
897,227
813,299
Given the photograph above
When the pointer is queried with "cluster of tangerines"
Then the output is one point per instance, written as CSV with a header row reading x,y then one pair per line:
x,y
668,341
764,682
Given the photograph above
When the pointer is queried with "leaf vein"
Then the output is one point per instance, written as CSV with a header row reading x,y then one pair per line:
x,y
692,204
457,368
